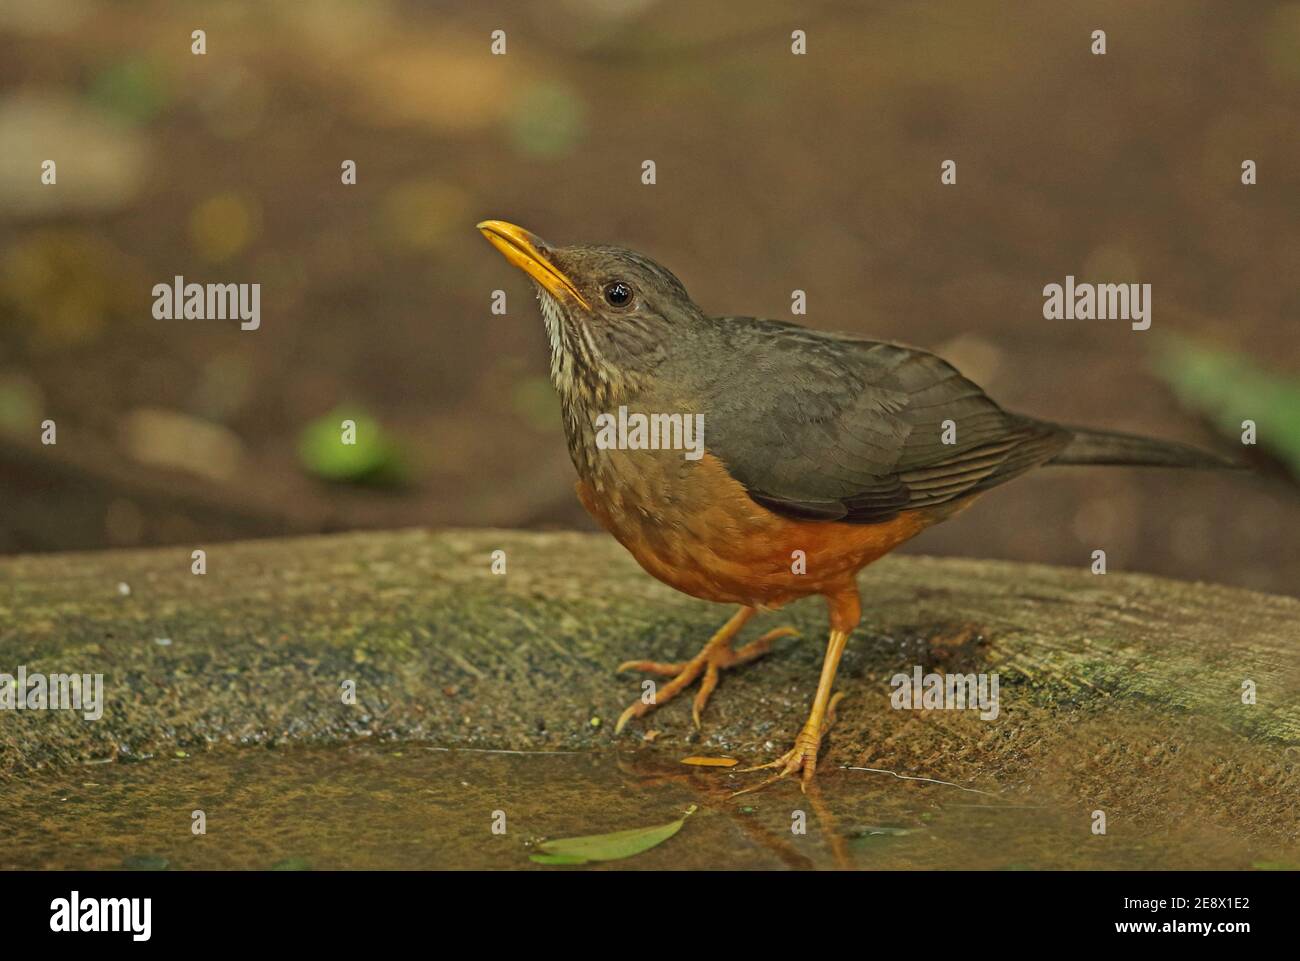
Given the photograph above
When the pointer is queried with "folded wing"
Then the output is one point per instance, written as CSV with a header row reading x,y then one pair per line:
x,y
832,427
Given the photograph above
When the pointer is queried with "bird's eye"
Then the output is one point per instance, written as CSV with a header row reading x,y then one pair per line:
x,y
618,294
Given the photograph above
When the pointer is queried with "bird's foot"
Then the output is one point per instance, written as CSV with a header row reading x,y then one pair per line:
x,y
713,659
800,759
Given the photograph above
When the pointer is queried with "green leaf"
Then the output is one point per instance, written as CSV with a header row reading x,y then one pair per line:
x,y
557,859
608,847
1228,388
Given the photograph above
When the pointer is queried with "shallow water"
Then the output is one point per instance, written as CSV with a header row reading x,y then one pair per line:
x,y
411,806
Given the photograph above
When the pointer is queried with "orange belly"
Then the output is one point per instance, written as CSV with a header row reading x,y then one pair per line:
x,y
707,538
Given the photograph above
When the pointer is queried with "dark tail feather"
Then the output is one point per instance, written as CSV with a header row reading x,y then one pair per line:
x,y
1105,447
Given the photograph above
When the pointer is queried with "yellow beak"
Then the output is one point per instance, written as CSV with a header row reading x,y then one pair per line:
x,y
521,248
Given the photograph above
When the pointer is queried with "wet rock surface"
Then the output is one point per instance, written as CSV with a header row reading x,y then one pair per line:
x,y
1117,692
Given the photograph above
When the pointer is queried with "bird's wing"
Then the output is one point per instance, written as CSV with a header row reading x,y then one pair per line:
x,y
831,427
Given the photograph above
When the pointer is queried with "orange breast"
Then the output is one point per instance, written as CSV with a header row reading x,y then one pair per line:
x,y
693,527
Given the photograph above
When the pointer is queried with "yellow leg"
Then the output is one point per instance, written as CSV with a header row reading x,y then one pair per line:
x,y
802,758
716,656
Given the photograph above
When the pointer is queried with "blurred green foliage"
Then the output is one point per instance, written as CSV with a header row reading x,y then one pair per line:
x,y
134,90
548,120
1228,388
20,404
374,458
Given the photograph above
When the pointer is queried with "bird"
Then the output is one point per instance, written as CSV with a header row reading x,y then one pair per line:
x,y
818,453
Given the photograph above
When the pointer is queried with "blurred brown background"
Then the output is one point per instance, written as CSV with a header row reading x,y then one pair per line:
x,y
775,172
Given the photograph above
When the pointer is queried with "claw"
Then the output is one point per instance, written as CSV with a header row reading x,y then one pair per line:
x,y
800,759
711,675
627,715
716,656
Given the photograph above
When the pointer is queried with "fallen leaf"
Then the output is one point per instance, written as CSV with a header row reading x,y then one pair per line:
x,y
558,859
711,761
607,847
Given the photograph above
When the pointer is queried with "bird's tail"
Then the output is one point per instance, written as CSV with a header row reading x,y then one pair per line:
x,y
1107,447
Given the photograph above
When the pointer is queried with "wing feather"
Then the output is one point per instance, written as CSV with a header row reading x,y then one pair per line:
x,y
857,433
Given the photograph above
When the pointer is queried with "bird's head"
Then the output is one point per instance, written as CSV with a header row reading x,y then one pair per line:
x,y
610,313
